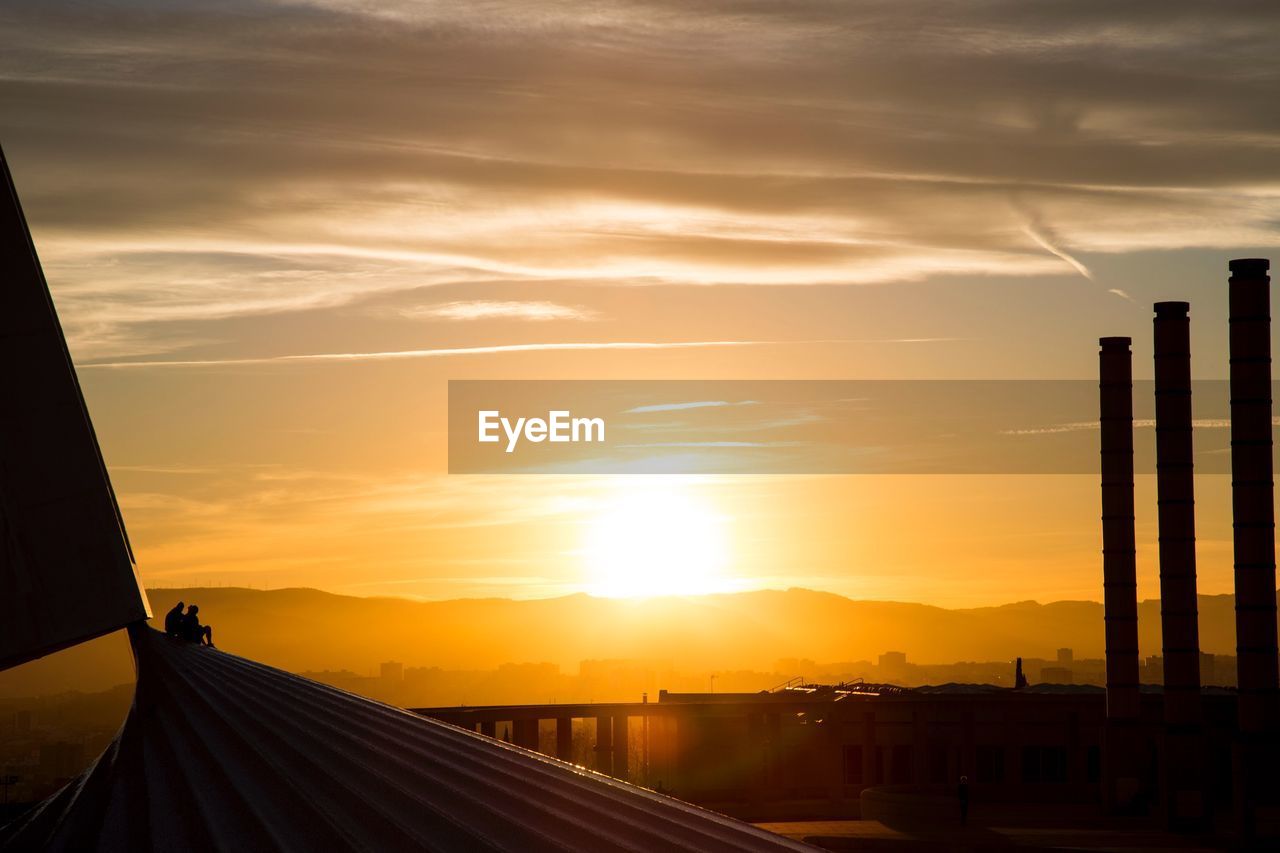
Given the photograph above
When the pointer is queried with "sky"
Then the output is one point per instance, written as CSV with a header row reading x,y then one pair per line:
x,y
748,190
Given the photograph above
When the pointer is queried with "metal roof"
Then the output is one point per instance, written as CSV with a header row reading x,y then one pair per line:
x,y
222,753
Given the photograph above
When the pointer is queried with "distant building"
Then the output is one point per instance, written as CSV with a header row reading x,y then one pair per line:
x,y
392,672
1056,675
893,662
1066,657
343,679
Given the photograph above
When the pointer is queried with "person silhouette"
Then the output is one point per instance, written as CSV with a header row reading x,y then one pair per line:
x,y
173,621
963,793
192,629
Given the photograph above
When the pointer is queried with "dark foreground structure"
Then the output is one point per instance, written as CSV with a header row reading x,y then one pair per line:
x,y
220,753
1189,758
831,752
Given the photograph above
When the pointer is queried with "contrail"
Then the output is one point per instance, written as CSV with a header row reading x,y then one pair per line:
x,y
488,350
1045,243
1038,230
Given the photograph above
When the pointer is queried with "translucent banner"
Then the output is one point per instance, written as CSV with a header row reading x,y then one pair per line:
x,y
806,427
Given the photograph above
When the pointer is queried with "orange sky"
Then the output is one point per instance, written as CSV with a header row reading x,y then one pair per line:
x,y
860,190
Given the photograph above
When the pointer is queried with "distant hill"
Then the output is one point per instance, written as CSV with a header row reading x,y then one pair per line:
x,y
306,629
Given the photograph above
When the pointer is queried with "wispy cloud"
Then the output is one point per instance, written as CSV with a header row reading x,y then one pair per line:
x,y
1138,423
496,349
189,470
451,352
1047,238
697,404
481,309
711,444
640,143
1079,426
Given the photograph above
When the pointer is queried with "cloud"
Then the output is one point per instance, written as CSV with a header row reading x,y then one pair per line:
x,y
712,444
1046,238
481,309
185,161
1138,423
496,349
697,404
493,349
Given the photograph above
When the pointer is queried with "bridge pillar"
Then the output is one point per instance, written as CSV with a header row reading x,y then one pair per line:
x,y
620,746
564,738
604,745
525,733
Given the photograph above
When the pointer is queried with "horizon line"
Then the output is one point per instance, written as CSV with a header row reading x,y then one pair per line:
x,y
647,599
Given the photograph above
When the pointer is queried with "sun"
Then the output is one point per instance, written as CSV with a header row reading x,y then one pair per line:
x,y
653,540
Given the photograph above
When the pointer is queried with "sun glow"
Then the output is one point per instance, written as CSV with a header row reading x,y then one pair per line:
x,y
656,540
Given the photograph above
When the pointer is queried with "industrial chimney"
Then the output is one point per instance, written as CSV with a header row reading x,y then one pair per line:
x,y
1252,499
1121,785
1175,494
1252,496
1119,572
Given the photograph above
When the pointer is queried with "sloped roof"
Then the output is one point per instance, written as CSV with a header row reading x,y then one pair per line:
x,y
222,753
66,574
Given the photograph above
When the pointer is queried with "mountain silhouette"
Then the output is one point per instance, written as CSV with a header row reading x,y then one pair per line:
x,y
307,629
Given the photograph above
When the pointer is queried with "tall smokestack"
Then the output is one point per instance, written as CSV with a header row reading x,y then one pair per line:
x,y
1121,780
1119,572
1175,490
1252,495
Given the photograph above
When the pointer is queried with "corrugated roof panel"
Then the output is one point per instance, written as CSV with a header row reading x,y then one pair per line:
x,y
221,753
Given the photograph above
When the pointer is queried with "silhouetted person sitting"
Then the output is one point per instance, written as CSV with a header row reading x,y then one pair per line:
x,y
192,630
173,622
963,794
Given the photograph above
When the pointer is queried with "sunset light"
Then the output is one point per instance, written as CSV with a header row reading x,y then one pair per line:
x,y
664,427
656,540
